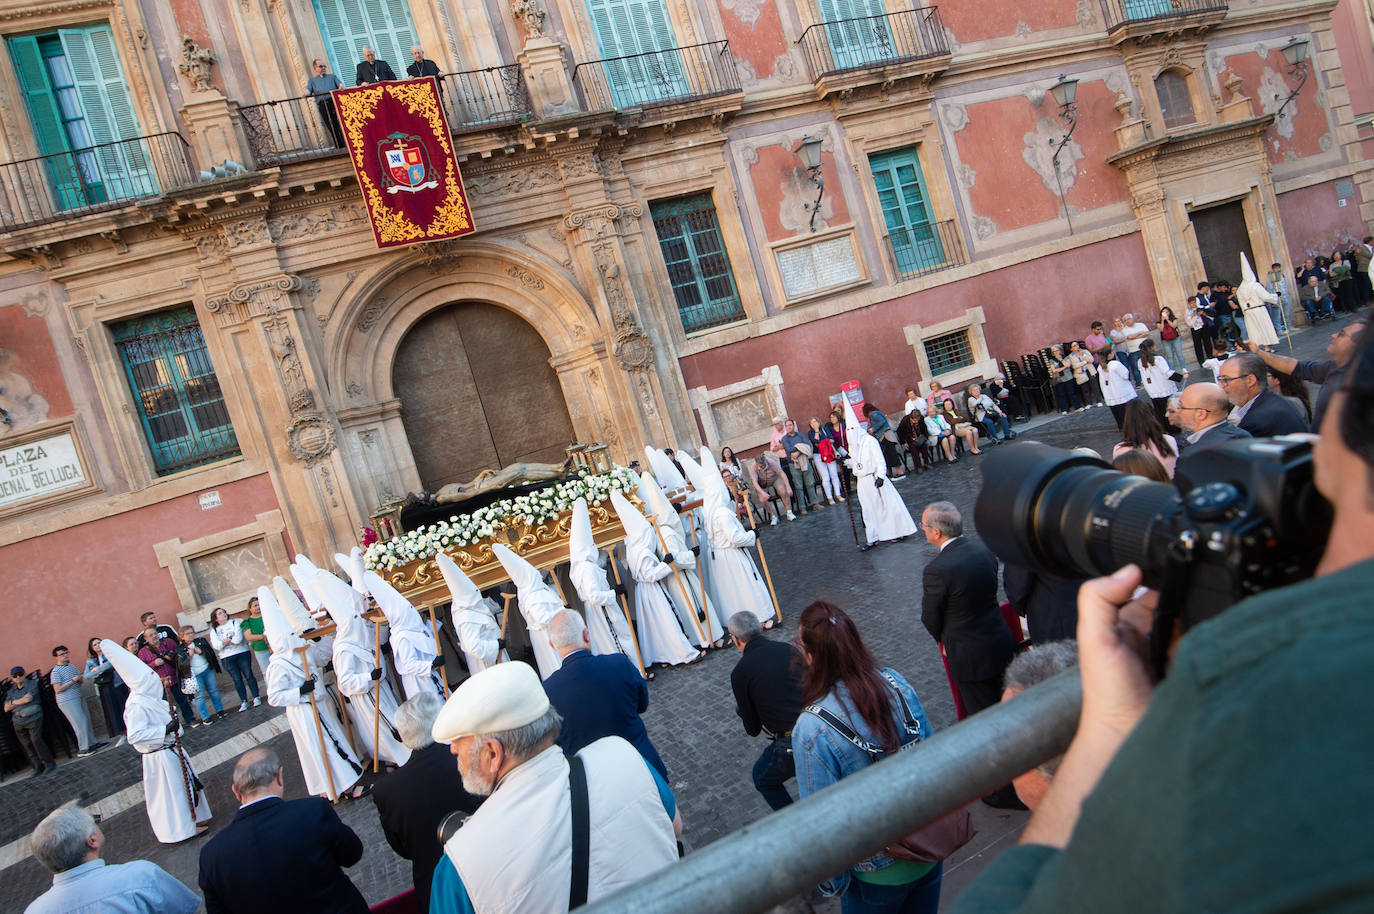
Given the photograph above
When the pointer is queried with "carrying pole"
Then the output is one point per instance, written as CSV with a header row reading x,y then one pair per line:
x,y
701,578
376,695
319,731
434,627
682,586
625,608
763,560
505,616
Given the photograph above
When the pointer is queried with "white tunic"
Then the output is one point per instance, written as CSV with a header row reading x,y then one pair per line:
x,y
164,781
1115,381
479,636
539,612
413,655
607,627
284,680
1259,327
660,637
738,585
1156,378
885,514
514,855
353,673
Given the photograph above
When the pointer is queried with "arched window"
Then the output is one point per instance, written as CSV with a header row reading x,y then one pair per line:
x,y
1175,102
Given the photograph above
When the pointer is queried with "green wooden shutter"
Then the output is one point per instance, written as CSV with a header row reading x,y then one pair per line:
x,y
59,170
626,28
125,171
856,40
348,26
698,266
902,196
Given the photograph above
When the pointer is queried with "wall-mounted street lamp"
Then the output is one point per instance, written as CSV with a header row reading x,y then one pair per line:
x,y
809,151
1295,52
1065,94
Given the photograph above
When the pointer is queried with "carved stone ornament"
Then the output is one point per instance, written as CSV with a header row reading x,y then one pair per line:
x,y
531,15
311,438
195,64
634,351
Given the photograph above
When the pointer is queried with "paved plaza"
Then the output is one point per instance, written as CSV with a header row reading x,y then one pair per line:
x,y
691,719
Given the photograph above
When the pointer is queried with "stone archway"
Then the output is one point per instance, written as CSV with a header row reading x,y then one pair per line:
x,y
477,392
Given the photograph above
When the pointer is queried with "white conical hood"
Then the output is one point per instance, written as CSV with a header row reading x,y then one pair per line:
x,y
465,593
1246,274
137,675
852,425
527,579
663,469
639,533
302,570
280,636
662,509
342,603
353,566
696,473
291,606
713,492
581,546
400,614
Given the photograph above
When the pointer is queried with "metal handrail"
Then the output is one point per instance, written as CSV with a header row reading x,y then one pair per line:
x,y
788,852
916,253
1118,13
655,78
844,45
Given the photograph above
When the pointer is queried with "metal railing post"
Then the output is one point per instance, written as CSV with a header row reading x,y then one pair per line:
x,y
782,855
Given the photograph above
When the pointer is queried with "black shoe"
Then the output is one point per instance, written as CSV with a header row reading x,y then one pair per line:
x,y
1005,798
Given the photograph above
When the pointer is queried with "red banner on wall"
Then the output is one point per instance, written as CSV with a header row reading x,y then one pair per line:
x,y
402,153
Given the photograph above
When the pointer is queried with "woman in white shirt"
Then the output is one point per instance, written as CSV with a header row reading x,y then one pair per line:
x,y
226,637
1081,362
1159,386
940,431
1115,380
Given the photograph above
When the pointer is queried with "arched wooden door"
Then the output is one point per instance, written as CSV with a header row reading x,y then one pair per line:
x,y
477,392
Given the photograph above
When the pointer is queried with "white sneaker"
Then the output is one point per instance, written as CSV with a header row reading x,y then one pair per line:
x,y
774,521
791,516
256,702
120,741
243,707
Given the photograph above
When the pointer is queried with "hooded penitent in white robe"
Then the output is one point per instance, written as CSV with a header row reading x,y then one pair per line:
x,y
694,531
661,637
685,589
538,604
285,676
738,585
319,650
607,627
354,566
667,475
354,665
474,618
885,514
168,778
302,570
412,641
1252,297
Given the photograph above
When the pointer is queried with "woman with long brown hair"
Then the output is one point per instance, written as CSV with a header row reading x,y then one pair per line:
x,y
1140,429
843,687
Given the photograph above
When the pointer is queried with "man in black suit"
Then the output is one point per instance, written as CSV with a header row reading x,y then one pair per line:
x,y
1262,412
767,683
372,70
422,66
279,855
597,694
415,798
959,608
1203,409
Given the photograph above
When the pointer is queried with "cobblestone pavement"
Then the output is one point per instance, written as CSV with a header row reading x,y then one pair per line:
x,y
691,718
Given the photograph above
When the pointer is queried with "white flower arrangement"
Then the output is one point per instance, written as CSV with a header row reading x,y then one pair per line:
x,y
468,529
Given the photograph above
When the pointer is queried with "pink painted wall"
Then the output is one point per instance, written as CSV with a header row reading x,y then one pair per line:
x,y
34,358
1314,223
1006,189
778,178
1349,26
1310,123
95,579
1027,306
755,33
976,21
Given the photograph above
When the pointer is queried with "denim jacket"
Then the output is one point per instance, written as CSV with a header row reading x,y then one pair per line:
x,y
823,756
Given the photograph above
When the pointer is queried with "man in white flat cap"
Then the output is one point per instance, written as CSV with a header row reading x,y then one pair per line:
x,y
519,851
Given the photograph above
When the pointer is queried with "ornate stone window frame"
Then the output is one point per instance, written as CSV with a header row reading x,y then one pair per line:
x,y
846,230
972,321
1145,64
176,556
703,400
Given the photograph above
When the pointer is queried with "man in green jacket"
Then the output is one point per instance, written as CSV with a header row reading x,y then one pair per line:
x,y
1241,783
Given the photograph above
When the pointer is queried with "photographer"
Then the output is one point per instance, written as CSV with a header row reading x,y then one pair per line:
x,y
1234,785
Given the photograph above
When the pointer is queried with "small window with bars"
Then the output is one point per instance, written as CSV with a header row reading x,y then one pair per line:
x,y
948,352
179,400
698,266
1175,103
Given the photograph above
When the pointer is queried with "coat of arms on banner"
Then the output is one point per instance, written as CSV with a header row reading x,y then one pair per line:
x,y
405,162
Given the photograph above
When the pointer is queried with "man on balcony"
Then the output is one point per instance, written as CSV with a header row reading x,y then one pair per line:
x,y
423,67
371,70
318,87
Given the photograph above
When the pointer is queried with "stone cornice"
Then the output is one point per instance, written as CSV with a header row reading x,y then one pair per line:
x,y
1215,135
43,10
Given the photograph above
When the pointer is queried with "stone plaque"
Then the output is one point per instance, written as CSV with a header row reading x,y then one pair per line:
x,y
818,266
40,468
740,417
230,571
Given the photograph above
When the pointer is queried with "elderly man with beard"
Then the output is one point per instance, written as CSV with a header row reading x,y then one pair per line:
x,y
528,847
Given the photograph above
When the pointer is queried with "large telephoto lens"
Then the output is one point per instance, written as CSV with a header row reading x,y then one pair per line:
x,y
1070,514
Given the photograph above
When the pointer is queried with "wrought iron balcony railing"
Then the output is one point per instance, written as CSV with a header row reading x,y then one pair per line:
x,y
656,78
926,249
66,184
297,129
1159,13
844,45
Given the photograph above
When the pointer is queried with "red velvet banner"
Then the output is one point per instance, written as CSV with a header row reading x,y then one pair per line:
x,y
403,156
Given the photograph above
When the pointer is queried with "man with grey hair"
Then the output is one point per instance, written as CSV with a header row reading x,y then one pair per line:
x,y
414,799
1257,409
1041,662
528,848
596,694
767,683
959,608
371,70
68,842
423,66
295,849
319,86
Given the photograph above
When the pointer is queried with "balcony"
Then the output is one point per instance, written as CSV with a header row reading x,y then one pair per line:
x,y
658,78
300,129
1134,19
64,185
844,53
926,249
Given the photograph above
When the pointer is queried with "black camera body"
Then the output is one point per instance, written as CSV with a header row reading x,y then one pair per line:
x,y
1244,516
